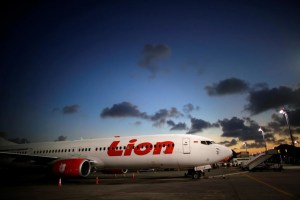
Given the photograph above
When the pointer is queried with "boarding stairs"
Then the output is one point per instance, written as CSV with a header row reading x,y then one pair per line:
x,y
258,160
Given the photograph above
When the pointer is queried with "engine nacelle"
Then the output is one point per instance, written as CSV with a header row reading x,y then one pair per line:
x,y
74,167
115,171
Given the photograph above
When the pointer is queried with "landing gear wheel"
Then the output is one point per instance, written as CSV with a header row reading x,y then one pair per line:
x,y
196,175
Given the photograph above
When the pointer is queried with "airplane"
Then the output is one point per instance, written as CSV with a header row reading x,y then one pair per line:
x,y
81,157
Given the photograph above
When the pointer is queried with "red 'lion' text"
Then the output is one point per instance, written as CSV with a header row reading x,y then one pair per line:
x,y
140,149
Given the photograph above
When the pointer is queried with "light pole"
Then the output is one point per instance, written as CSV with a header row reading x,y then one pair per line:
x,y
263,134
245,146
282,111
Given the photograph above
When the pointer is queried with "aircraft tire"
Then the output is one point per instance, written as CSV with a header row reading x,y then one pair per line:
x,y
196,175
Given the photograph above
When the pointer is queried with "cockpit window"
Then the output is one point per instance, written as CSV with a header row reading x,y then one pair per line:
x,y
207,142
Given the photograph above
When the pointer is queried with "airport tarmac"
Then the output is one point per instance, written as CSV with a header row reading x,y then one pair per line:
x,y
223,183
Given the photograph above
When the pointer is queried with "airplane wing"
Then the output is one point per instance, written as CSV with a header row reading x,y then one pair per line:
x,y
38,159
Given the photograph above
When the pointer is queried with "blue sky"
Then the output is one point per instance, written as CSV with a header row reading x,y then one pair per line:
x,y
103,68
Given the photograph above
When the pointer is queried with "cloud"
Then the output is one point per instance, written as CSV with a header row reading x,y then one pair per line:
x,y
197,125
188,108
138,123
124,109
71,109
229,143
266,99
193,65
164,113
260,86
61,138
243,129
152,55
227,86
254,145
180,126
160,117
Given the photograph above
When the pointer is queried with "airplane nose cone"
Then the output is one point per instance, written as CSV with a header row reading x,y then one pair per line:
x,y
228,153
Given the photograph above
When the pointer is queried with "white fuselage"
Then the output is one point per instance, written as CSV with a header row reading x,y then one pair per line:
x,y
135,152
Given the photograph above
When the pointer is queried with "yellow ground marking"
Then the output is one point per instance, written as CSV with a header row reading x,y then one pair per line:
x,y
272,187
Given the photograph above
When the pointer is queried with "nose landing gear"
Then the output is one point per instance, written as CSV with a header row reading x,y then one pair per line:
x,y
194,174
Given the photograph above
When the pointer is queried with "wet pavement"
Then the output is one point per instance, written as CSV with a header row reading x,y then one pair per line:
x,y
221,183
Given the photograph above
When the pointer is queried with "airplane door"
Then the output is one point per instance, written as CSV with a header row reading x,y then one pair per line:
x,y
186,145
30,151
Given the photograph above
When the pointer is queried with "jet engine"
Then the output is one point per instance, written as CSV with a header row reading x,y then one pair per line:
x,y
74,167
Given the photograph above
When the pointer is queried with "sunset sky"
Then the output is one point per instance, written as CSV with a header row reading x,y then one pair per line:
x,y
89,69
